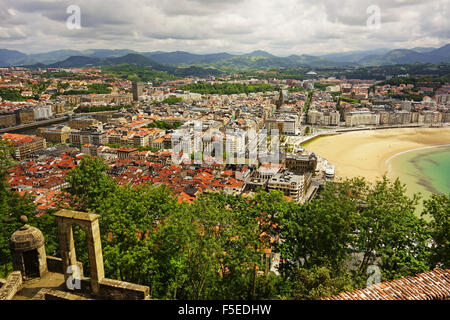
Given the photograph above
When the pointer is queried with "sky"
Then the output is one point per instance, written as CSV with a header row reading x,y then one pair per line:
x,y
281,27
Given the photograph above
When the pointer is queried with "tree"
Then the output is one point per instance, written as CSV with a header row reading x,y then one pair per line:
x,y
12,206
318,233
6,157
307,131
317,283
89,184
389,233
438,207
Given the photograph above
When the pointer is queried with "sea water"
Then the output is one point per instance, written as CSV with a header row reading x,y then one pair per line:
x,y
424,170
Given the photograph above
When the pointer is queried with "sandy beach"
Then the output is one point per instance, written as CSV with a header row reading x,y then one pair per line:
x,y
367,153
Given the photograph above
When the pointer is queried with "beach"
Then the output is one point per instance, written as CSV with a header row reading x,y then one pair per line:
x,y
368,153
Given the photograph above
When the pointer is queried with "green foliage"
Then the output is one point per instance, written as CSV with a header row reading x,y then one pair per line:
x,y
308,102
65,75
438,207
216,247
390,234
307,131
164,125
322,86
352,225
8,94
12,206
89,183
91,109
408,97
169,101
100,88
138,73
350,100
317,283
226,88
336,95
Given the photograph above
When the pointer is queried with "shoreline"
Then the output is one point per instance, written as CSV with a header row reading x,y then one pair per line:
x,y
388,161
368,153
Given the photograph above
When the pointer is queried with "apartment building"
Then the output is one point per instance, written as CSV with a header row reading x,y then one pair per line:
x,y
358,118
91,135
395,118
7,120
25,116
43,112
58,134
81,123
24,145
285,123
290,184
328,118
301,164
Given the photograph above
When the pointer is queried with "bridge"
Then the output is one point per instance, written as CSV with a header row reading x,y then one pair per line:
x,y
35,124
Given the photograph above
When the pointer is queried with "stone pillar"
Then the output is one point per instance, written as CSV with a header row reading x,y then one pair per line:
x,y
95,255
89,223
66,245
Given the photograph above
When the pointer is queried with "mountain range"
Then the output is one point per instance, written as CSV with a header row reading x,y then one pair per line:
x,y
166,61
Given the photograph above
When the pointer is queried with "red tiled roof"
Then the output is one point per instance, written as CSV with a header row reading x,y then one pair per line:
x,y
432,285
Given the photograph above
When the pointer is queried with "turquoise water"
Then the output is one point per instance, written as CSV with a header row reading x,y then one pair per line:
x,y
426,170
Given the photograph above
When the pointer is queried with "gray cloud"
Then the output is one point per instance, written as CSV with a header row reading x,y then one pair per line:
x,y
281,27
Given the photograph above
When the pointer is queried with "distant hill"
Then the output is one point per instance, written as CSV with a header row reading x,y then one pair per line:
x,y
423,49
256,60
354,56
8,57
404,56
48,57
132,58
105,53
182,57
75,62
260,53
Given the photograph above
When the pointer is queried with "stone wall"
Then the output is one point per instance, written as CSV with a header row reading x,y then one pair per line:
x,y
12,285
55,265
119,290
49,294
116,290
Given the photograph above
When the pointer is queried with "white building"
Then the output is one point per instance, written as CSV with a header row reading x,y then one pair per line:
x,y
43,112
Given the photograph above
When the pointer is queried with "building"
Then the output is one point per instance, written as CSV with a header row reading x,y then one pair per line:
x,y
24,116
58,134
124,153
138,90
328,118
24,145
395,118
300,164
91,135
290,184
430,117
81,123
359,118
43,112
7,120
432,285
285,124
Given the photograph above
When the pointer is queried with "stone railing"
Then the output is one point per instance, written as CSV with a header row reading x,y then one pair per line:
x,y
12,285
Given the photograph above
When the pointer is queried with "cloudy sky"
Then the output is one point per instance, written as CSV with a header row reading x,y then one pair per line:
x,y
281,27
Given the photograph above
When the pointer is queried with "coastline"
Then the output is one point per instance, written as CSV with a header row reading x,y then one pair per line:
x,y
368,153
388,161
